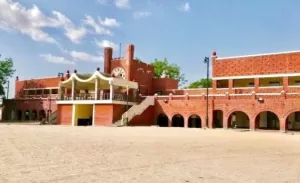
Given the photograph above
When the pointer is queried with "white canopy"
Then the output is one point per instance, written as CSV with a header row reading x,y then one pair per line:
x,y
98,75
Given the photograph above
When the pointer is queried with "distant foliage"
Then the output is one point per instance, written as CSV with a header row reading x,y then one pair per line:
x,y
6,72
202,83
171,70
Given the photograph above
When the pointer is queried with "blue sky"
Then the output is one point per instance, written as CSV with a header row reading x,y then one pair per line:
x,y
46,37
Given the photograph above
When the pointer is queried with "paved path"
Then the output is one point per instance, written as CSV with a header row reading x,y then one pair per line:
x,y
34,153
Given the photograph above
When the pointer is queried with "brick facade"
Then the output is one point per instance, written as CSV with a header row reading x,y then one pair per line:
x,y
245,97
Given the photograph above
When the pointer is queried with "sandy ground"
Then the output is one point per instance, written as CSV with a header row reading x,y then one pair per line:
x,y
33,153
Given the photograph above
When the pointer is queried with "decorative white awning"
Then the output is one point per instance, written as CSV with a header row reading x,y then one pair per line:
x,y
88,81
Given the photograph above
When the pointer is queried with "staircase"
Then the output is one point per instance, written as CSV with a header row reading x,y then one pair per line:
x,y
53,118
134,111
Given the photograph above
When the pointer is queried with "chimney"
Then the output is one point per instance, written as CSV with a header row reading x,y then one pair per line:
x,y
108,51
129,60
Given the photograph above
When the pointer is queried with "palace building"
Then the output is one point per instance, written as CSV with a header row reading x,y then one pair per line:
x,y
252,92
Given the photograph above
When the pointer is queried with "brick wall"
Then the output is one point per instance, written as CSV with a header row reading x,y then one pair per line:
x,y
35,83
64,114
257,65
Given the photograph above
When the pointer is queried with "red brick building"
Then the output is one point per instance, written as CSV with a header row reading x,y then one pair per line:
x,y
254,92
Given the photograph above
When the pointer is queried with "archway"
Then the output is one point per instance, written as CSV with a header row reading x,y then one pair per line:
x,y
20,114
27,115
13,115
238,119
162,120
293,121
42,114
218,119
194,121
178,121
267,120
33,115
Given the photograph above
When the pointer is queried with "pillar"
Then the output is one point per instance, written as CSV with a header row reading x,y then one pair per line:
x,y
225,121
108,53
129,61
73,90
283,125
256,85
230,85
111,91
252,125
61,93
96,89
285,83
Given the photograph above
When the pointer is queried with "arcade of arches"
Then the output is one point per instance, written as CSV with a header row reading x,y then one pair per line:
x,y
28,115
265,120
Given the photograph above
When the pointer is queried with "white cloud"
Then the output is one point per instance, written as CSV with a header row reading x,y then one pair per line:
x,y
30,21
75,34
56,60
141,14
109,22
122,4
14,16
106,43
82,56
185,7
99,29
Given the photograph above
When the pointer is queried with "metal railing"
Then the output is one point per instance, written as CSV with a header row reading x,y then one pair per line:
x,y
102,96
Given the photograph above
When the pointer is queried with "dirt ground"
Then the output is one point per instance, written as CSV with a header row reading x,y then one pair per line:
x,y
33,153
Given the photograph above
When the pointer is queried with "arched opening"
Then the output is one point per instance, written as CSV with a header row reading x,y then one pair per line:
x,y
162,120
178,121
238,119
218,119
19,115
194,121
293,121
267,120
13,115
27,115
42,114
33,115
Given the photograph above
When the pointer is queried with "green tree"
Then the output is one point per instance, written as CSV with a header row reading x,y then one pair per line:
x,y
6,71
202,83
171,70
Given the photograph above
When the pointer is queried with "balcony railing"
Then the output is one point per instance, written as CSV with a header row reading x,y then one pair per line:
x,y
103,96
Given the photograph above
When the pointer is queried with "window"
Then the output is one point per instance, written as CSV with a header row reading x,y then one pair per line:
x,y
251,84
31,92
39,92
297,82
274,83
46,92
54,91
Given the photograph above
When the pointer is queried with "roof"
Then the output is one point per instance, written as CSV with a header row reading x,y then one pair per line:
x,y
88,81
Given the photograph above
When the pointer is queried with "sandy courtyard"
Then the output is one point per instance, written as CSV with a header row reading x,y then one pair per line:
x,y
33,153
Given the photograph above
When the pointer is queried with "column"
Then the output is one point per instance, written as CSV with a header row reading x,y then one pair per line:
x,y
285,83
252,124
61,93
111,91
283,125
256,84
224,121
230,85
96,88
73,89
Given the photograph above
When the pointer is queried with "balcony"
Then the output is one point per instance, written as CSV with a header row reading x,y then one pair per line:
x,y
98,89
102,97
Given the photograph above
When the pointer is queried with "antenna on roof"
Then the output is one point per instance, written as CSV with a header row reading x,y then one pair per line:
x,y
120,50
